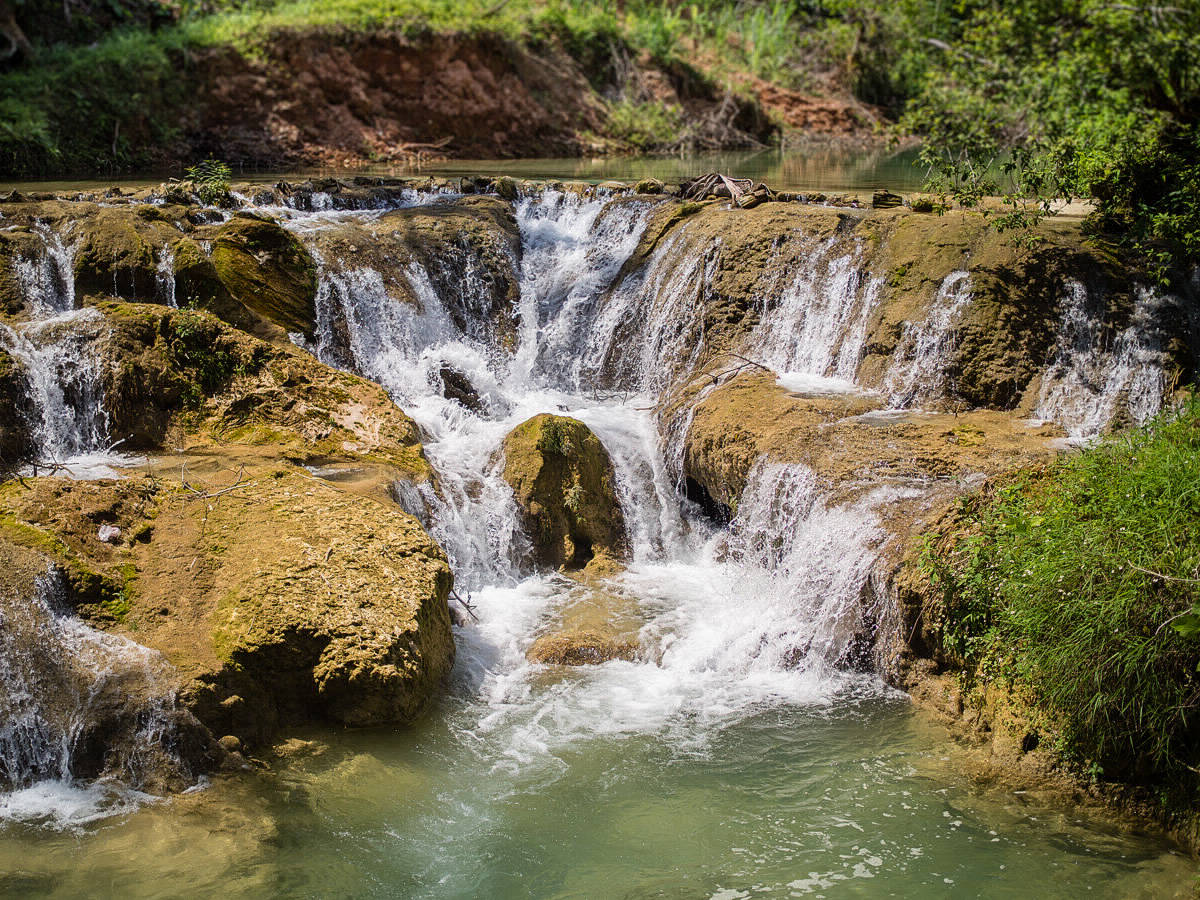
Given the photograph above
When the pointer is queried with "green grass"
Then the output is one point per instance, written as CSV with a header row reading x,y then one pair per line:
x,y
1073,583
122,102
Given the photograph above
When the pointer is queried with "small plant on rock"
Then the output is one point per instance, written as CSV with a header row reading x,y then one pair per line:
x,y
211,178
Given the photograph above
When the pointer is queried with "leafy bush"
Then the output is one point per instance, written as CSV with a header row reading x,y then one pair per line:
x,y
1069,582
211,178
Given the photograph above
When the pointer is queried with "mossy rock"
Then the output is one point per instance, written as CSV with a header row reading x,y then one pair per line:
x,y
16,411
580,648
198,286
268,271
117,254
186,369
563,482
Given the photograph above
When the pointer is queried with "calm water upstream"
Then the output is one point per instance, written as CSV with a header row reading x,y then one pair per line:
x,y
733,760
813,169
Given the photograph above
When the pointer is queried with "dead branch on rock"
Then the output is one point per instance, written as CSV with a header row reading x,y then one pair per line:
x,y
195,493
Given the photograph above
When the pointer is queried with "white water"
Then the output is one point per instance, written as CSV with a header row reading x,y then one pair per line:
x,y
818,324
1094,377
58,678
918,369
55,348
729,621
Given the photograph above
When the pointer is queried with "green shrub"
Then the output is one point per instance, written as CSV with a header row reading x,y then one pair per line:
x,y
211,178
1068,582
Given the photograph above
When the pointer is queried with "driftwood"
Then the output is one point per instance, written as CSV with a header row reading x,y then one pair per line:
x,y
715,184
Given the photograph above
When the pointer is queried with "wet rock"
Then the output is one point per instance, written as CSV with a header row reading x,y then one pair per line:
x,y
117,254
268,271
886,200
456,386
580,648
187,370
16,411
563,482
649,186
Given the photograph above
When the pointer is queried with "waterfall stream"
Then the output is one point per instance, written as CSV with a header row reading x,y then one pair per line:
x,y
86,718
747,740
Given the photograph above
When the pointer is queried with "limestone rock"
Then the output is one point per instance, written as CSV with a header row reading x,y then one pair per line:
x,y
281,601
563,482
580,648
268,271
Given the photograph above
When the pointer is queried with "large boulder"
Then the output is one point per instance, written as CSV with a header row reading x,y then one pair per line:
x,y
563,482
187,372
278,598
268,271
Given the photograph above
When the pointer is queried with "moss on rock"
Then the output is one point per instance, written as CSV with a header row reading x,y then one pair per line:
x,y
563,482
268,271
280,601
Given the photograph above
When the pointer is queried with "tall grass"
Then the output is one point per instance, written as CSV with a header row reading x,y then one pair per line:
x,y
1071,582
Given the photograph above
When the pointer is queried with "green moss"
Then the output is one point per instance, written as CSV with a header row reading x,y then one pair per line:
x,y
267,270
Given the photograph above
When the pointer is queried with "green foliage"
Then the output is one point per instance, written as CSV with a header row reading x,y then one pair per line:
x,y
555,438
1062,100
1082,584
211,178
644,126
195,345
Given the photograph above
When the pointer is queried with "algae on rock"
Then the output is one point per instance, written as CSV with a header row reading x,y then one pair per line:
x,y
563,482
268,270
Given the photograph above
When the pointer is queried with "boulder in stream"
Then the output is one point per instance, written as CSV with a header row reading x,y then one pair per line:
x,y
563,482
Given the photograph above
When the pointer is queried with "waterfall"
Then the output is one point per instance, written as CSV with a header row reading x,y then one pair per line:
x,y
917,372
47,282
79,703
1094,378
63,376
818,324
164,277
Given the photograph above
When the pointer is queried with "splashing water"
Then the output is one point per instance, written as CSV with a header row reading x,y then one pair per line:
x,y
918,370
818,325
47,281
77,703
64,383
1092,378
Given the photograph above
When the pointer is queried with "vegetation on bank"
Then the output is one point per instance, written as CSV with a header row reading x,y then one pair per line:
x,y
1084,98
1078,586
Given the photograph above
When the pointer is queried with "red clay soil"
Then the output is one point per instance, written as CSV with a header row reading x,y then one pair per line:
x,y
324,98
824,116
331,98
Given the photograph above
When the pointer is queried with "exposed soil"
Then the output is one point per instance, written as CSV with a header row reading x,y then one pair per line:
x,y
345,99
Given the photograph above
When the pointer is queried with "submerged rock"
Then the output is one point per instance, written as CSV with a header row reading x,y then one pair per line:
x,y
563,482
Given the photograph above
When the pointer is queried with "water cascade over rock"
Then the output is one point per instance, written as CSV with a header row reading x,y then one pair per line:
x,y
817,380
80,705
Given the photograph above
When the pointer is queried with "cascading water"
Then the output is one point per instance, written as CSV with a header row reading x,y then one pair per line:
x,y
55,348
818,324
76,703
918,370
723,753
1093,377
710,648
